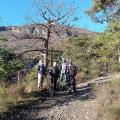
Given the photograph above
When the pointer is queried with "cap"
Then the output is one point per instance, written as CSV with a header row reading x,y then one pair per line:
x,y
55,64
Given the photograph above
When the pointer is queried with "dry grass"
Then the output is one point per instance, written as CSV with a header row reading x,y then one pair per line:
x,y
21,91
13,94
80,77
16,92
7,98
114,111
109,101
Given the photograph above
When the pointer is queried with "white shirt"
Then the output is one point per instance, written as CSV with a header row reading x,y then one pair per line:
x,y
64,67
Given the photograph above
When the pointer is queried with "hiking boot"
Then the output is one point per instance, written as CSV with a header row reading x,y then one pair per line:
x,y
54,93
74,91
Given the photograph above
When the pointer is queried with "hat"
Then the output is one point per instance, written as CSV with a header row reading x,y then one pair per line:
x,y
40,62
55,64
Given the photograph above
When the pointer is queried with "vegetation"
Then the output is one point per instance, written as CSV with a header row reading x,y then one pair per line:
x,y
100,54
74,46
97,55
2,39
18,93
94,56
108,46
8,64
108,100
104,10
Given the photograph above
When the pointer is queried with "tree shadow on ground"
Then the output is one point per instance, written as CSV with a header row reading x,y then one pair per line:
x,y
29,110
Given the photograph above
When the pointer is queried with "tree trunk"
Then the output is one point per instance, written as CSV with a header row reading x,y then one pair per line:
x,y
46,46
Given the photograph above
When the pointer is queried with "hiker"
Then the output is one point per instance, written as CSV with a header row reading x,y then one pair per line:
x,y
71,72
41,73
54,73
63,69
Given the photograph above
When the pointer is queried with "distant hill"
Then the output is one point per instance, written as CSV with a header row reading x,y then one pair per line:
x,y
58,36
3,28
39,30
58,30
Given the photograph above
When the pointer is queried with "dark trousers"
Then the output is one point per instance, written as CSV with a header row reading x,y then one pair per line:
x,y
54,83
71,83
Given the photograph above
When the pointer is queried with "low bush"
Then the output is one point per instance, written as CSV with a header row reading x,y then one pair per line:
x,y
11,95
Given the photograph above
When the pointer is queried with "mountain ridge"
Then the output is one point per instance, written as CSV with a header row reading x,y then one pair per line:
x,y
59,34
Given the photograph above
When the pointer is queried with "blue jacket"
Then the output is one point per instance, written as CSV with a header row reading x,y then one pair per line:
x,y
41,69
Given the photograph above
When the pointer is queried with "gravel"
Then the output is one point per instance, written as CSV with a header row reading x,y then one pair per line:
x,y
62,106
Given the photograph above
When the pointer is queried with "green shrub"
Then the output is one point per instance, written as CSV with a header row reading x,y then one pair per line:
x,y
3,91
116,67
9,64
93,55
32,74
2,39
93,87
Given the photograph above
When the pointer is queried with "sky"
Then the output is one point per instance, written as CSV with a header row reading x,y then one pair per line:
x,y
13,12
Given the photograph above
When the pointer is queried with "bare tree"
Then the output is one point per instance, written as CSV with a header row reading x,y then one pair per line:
x,y
50,14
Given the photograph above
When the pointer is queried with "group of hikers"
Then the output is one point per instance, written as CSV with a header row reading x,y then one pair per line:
x,y
66,71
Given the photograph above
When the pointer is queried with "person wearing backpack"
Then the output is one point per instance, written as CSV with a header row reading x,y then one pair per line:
x,y
54,73
41,73
71,72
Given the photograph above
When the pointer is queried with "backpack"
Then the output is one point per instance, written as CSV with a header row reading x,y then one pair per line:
x,y
71,70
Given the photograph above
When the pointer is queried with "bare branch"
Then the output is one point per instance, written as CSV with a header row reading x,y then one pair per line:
x,y
40,50
33,22
43,15
29,37
50,15
16,36
50,11
67,13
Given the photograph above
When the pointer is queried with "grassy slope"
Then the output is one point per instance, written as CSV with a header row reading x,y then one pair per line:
x,y
108,97
18,92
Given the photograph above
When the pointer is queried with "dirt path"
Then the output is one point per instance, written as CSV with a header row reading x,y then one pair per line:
x,y
62,106
100,80
73,109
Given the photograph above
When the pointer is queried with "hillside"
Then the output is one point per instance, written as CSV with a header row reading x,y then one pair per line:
x,y
57,38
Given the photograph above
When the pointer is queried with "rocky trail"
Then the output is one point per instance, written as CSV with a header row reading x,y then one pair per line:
x,y
62,106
